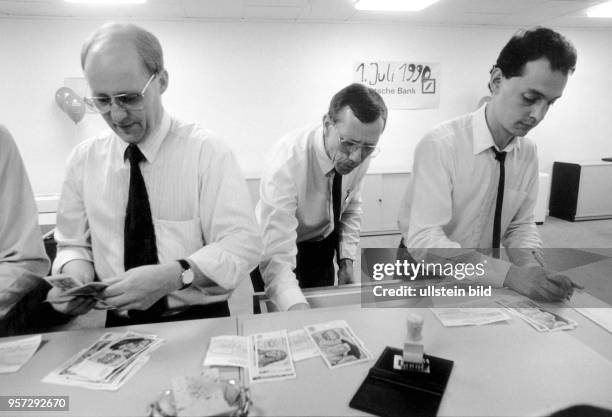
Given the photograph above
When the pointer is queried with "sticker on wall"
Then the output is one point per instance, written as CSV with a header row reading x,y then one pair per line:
x,y
402,84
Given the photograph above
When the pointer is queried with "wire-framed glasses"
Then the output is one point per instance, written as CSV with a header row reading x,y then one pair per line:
x,y
128,101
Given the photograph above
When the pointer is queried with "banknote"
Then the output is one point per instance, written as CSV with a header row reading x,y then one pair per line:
x,y
538,317
338,344
270,357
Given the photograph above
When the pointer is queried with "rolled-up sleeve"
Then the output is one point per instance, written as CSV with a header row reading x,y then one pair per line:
x,y
231,236
276,214
72,231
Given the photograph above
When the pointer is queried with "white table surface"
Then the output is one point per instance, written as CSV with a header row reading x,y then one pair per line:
x,y
181,355
500,370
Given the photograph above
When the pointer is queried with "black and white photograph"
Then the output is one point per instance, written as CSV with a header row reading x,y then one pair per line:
x,y
252,194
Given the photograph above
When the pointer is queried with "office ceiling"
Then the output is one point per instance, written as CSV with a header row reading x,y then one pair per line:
x,y
513,13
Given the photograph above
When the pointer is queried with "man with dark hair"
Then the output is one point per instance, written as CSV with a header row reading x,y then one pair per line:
x,y
310,203
475,178
156,208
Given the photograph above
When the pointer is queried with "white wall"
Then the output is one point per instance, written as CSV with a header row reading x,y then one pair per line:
x,y
252,82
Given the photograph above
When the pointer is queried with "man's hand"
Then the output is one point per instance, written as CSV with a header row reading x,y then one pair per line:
x,y
299,306
539,283
82,271
345,271
139,288
73,307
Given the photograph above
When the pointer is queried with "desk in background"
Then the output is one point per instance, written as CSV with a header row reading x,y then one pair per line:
x,y
581,190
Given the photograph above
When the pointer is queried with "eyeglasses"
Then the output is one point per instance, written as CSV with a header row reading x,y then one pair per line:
x,y
350,146
128,101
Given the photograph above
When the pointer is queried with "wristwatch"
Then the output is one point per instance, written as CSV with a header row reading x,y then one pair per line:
x,y
186,275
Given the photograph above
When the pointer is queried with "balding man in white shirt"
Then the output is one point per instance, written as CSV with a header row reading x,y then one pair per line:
x,y
156,208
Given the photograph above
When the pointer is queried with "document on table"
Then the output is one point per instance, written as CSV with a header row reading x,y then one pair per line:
x,y
228,351
14,354
597,310
601,316
451,317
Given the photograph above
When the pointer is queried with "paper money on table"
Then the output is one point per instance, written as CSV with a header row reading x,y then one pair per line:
x,y
451,317
270,357
338,344
228,350
302,346
537,316
108,363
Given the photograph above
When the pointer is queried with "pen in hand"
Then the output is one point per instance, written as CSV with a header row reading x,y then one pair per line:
x,y
538,257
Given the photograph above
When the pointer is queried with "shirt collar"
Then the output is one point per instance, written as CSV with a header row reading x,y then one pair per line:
x,y
482,137
325,162
150,146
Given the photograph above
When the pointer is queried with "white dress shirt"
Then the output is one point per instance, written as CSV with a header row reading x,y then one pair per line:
x,y
295,206
450,201
199,202
23,260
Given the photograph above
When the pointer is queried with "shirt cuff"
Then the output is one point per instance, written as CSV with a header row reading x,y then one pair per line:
x,y
219,265
288,297
348,251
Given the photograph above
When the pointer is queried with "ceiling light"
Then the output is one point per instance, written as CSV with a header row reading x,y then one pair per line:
x,y
394,5
601,10
107,1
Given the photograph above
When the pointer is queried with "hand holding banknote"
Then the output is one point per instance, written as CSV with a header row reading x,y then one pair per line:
x,y
70,296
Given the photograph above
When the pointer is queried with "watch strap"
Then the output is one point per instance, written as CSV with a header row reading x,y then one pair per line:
x,y
184,264
186,267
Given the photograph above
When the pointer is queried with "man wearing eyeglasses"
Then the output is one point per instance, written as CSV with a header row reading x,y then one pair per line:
x,y
310,204
156,208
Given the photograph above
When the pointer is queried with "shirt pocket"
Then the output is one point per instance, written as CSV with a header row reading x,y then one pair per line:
x,y
177,239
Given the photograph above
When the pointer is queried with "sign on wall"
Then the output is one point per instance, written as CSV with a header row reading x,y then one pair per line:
x,y
402,84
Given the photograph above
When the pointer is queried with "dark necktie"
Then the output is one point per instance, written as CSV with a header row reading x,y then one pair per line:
x,y
336,200
140,247
501,157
